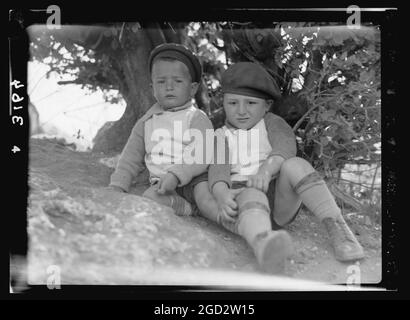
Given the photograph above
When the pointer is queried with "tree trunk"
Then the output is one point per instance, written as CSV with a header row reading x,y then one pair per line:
x,y
132,59
136,91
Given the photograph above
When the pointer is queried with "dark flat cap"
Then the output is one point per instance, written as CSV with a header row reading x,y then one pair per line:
x,y
250,79
180,53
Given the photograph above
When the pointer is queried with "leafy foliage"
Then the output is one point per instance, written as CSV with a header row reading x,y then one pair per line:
x,y
330,80
84,55
342,124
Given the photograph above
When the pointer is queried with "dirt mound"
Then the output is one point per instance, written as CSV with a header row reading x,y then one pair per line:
x,y
94,235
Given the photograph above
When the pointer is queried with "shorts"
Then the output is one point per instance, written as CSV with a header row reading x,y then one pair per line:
x,y
271,198
187,191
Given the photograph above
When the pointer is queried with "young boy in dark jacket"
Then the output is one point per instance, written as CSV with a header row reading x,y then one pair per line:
x,y
241,188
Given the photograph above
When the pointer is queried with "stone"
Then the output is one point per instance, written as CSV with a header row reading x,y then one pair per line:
x,y
74,222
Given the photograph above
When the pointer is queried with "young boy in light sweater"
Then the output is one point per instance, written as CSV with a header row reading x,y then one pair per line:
x,y
241,187
157,139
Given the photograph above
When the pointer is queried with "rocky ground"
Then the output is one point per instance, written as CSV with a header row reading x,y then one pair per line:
x,y
96,236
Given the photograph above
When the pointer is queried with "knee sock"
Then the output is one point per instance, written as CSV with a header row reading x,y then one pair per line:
x,y
253,220
270,247
316,196
180,205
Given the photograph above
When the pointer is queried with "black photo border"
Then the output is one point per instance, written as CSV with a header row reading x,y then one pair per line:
x,y
21,18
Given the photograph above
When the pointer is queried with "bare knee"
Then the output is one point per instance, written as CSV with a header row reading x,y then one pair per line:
x,y
202,196
252,195
296,166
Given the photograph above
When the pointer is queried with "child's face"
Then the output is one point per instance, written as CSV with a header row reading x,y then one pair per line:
x,y
244,112
171,83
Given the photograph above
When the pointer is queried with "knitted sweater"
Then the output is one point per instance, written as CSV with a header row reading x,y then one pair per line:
x,y
138,152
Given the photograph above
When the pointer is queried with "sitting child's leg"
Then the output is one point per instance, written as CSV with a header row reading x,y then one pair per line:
x,y
173,200
271,248
299,181
205,201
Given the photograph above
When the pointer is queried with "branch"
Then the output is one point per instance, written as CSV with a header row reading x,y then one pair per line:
x,y
37,83
297,125
170,34
241,23
222,48
155,33
362,184
363,170
360,161
344,197
63,82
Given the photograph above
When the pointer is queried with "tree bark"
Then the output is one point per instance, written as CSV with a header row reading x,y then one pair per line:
x,y
132,59
136,90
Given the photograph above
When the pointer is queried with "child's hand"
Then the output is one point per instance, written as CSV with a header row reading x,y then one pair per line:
x,y
167,183
259,181
227,204
116,189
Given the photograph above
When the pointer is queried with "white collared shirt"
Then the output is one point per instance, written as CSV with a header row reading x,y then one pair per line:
x,y
248,149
